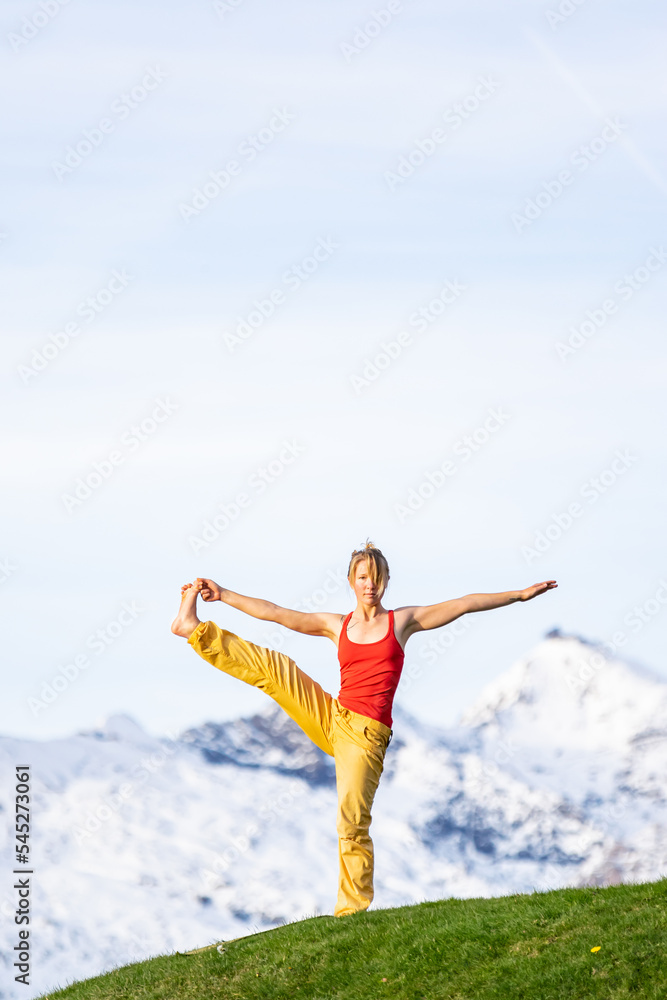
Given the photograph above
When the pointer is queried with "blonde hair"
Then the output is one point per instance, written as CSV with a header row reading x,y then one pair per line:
x,y
378,568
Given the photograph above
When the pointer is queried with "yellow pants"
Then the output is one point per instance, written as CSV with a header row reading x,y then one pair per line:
x,y
357,744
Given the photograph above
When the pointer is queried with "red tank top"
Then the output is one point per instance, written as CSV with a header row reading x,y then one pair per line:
x,y
369,673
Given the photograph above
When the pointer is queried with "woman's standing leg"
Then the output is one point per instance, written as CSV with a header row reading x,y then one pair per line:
x,y
359,748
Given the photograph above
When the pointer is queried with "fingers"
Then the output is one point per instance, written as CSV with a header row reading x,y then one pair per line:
x,y
207,592
541,588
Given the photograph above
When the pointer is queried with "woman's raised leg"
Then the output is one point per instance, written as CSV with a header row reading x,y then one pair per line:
x,y
304,700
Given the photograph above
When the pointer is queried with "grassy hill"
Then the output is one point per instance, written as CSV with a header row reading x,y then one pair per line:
x,y
537,947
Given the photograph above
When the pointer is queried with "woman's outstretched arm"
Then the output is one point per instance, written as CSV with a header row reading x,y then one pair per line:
x,y
436,615
309,623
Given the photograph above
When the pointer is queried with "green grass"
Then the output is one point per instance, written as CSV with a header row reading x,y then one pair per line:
x,y
535,946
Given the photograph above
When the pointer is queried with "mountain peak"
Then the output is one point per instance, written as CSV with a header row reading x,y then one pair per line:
x,y
120,726
267,739
567,689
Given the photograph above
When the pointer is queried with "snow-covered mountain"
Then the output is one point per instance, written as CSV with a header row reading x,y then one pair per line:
x,y
571,719
553,777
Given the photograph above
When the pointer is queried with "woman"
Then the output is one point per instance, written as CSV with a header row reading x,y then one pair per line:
x,y
355,728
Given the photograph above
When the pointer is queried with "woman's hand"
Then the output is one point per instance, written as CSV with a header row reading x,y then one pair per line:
x,y
537,588
210,590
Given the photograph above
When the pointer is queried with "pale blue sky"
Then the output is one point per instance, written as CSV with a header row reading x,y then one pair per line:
x,y
218,79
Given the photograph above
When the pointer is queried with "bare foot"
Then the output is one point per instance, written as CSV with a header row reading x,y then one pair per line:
x,y
186,620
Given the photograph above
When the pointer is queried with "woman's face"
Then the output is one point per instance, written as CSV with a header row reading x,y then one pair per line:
x,y
365,590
